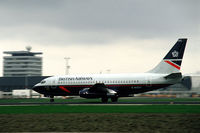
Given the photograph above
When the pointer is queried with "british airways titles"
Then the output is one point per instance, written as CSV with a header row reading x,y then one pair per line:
x,y
75,78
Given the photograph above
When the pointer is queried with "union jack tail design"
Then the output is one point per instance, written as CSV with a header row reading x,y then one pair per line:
x,y
171,63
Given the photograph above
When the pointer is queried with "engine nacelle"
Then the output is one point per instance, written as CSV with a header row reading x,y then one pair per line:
x,y
86,93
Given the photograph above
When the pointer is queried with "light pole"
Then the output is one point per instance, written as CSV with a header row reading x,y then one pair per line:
x,y
67,65
26,85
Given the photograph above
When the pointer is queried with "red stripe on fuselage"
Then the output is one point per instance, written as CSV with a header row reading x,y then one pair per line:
x,y
64,89
172,64
115,85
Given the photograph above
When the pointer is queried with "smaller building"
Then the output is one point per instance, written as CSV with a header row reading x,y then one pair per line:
x,y
25,93
7,84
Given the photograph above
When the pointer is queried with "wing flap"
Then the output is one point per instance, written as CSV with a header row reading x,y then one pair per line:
x,y
101,88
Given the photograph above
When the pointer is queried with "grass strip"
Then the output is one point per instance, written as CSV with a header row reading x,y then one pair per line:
x,y
101,122
47,109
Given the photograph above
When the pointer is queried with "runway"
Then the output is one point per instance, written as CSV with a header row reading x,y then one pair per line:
x,y
99,103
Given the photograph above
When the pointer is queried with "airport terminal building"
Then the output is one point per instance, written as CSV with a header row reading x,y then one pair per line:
x,y
21,70
22,63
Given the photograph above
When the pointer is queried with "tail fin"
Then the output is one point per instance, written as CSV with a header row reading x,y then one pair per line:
x,y
171,63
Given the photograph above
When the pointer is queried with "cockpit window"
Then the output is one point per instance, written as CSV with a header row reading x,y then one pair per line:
x,y
43,81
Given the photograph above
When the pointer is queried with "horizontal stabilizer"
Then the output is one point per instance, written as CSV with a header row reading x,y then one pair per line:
x,y
173,76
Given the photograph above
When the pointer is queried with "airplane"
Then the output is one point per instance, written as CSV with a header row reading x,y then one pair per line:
x,y
113,86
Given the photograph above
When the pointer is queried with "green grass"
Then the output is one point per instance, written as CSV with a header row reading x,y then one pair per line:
x,y
99,108
98,117
134,99
188,109
101,122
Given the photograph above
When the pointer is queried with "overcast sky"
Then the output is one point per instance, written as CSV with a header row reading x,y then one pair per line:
x,y
124,36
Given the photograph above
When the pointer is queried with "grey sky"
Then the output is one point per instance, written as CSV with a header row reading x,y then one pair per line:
x,y
91,21
99,22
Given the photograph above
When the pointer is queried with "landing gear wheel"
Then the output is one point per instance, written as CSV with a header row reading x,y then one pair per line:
x,y
114,99
104,99
51,98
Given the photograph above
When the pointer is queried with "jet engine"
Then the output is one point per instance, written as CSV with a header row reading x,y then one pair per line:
x,y
88,93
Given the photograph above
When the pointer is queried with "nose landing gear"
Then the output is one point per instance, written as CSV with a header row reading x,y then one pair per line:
x,y
51,98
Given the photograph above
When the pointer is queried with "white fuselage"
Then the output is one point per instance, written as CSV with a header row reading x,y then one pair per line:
x,y
117,82
108,79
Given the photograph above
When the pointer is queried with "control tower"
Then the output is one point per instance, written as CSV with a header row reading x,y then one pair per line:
x,y
22,63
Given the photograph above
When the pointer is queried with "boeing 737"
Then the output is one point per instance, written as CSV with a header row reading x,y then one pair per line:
x,y
113,86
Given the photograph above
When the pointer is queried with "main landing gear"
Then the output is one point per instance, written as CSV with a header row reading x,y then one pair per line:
x,y
114,99
105,99
51,98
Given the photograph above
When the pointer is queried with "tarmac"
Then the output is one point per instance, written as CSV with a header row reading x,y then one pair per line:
x,y
109,103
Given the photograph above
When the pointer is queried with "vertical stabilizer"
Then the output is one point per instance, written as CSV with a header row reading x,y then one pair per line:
x,y
171,63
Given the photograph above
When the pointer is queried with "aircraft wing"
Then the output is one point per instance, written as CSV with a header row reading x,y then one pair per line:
x,y
97,90
99,87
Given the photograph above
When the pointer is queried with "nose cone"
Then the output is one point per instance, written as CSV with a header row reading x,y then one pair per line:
x,y
36,88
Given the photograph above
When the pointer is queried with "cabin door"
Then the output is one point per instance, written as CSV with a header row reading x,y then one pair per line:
x,y
148,81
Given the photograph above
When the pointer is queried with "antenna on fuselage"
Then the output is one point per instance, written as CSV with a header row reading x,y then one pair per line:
x,y
108,71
